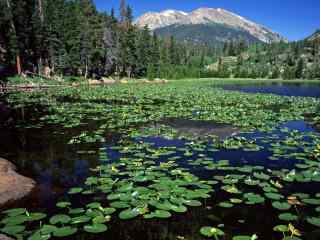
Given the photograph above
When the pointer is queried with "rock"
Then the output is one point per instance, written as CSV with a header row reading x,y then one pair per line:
x,y
13,186
108,81
94,82
124,81
4,237
75,84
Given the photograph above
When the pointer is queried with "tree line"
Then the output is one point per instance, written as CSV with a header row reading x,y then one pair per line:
x,y
73,38
63,37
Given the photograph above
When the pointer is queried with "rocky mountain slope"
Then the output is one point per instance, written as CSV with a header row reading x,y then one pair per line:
x,y
207,16
314,37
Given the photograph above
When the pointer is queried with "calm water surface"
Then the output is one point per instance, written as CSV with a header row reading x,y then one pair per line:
x,y
283,89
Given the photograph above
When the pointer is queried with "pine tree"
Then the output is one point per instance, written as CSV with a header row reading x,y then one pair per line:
x,y
13,37
144,51
123,11
299,69
275,73
155,55
173,52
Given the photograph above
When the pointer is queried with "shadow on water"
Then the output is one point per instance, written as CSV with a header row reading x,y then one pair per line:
x,y
196,128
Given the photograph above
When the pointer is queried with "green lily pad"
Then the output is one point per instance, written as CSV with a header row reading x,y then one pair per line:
x,y
36,216
179,209
245,237
101,219
75,190
119,205
64,231
158,214
80,219
225,205
274,196
281,228
38,236
76,211
48,229
59,218
288,217
211,231
95,228
314,221
15,212
13,230
109,211
129,214
192,203
281,205
311,201
94,205
63,204
291,238
15,220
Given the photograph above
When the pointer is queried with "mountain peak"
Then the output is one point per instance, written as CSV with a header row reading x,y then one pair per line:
x,y
172,11
315,36
206,15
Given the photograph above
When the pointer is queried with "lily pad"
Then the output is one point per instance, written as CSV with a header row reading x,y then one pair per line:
x,y
288,217
59,218
281,205
211,231
65,231
314,221
129,214
13,230
95,228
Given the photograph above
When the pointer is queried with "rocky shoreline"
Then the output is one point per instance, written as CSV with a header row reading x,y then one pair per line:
x,y
13,186
4,237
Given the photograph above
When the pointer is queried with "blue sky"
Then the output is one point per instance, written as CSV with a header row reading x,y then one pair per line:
x,y
294,19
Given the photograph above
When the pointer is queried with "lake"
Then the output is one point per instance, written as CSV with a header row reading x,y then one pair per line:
x,y
282,88
159,163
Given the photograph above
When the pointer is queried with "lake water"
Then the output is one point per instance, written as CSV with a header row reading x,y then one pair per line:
x,y
57,166
283,89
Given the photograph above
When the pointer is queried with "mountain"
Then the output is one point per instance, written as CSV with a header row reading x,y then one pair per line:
x,y
213,34
211,18
314,37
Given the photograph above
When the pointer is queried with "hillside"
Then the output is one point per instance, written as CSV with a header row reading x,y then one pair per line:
x,y
213,34
279,60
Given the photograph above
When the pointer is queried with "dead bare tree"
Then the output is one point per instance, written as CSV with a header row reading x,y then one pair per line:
x,y
110,40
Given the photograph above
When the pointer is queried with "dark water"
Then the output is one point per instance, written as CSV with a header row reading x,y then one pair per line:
x,y
283,89
57,166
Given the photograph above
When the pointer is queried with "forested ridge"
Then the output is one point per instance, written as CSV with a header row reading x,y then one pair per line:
x,y
293,60
72,38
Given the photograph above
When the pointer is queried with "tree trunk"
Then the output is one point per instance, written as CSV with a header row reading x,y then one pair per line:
x,y
13,29
86,70
41,16
18,64
40,65
40,9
